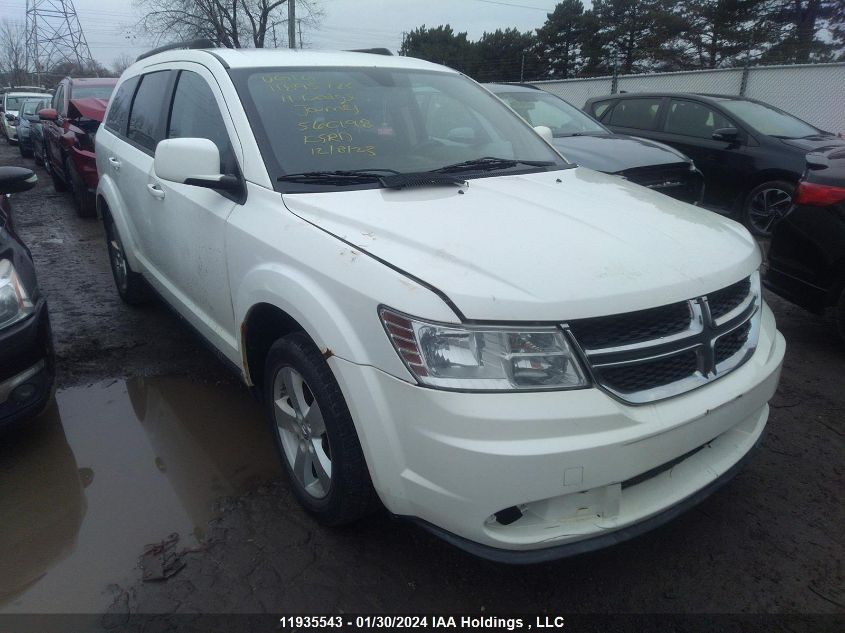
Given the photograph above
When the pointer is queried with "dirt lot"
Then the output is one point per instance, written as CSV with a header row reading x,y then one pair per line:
x,y
769,542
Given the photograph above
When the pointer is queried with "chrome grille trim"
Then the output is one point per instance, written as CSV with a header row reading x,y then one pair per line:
x,y
702,336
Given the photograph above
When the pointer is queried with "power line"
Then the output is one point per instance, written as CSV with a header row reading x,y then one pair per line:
x,y
54,35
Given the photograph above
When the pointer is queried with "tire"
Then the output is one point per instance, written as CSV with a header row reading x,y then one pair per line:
x,y
765,205
130,285
840,316
26,153
315,427
58,183
82,200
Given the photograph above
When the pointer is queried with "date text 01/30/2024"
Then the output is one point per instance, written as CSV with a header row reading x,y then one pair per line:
x,y
545,622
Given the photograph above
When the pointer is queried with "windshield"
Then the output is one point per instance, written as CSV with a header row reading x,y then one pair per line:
x,y
32,106
87,92
394,120
541,108
14,103
768,120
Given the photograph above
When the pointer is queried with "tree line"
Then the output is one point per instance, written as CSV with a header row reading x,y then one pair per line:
x,y
628,36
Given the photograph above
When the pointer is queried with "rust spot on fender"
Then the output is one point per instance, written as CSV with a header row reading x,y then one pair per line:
x,y
327,353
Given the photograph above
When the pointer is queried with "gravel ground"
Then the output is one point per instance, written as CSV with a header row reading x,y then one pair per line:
x,y
769,542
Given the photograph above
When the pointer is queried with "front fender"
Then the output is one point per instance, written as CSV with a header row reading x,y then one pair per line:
x,y
109,194
352,333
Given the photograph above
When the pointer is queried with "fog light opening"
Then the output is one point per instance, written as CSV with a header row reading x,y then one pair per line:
x,y
508,515
23,393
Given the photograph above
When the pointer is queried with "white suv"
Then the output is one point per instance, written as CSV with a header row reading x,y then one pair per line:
x,y
438,311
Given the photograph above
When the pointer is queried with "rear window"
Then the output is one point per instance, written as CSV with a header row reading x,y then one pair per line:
x,y
599,108
635,113
146,119
87,92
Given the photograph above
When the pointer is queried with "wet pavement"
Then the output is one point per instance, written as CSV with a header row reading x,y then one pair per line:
x,y
114,466
151,436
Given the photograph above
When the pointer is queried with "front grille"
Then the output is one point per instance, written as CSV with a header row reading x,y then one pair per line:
x,y
723,301
650,374
673,179
632,327
729,344
648,355
657,175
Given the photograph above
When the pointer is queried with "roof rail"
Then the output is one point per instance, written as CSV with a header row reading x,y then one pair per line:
x,y
374,51
200,43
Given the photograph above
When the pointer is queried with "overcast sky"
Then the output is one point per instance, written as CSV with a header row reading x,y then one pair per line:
x,y
107,24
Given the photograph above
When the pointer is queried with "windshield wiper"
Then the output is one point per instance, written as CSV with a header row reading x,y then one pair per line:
x,y
491,163
337,177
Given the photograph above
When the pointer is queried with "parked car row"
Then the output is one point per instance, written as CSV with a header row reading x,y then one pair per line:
x,y
751,153
58,131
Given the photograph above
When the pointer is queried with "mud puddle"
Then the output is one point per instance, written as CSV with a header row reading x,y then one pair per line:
x,y
112,467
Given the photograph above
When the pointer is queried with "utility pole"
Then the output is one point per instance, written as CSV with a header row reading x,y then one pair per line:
x,y
522,69
292,23
54,35
299,26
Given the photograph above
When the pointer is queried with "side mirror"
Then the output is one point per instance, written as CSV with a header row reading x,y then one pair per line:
x,y
545,132
16,179
728,134
10,117
48,114
192,161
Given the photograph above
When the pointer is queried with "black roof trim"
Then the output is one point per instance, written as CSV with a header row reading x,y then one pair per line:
x,y
373,51
189,44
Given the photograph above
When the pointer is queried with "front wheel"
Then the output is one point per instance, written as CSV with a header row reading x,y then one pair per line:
x,y
314,432
765,205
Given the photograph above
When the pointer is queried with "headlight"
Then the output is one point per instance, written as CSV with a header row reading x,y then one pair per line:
x,y
484,358
14,300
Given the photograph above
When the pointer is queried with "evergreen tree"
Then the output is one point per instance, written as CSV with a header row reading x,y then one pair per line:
x,y
560,40
440,45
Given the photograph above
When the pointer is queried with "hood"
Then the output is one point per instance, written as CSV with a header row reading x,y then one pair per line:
x,y
89,108
612,153
814,143
544,247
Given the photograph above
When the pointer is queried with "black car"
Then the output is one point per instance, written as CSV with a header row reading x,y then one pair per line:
x,y
751,153
26,350
807,253
27,122
584,141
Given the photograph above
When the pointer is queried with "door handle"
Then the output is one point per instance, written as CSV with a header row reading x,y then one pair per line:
x,y
115,164
156,191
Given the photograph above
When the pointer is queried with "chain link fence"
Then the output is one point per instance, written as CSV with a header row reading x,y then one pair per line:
x,y
813,92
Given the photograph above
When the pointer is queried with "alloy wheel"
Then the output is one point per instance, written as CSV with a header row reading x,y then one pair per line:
x,y
118,260
767,207
302,432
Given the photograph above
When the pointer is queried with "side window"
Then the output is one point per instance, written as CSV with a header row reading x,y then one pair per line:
x,y
636,113
148,110
693,119
195,114
119,110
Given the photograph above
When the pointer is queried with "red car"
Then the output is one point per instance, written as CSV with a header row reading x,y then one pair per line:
x,y
69,125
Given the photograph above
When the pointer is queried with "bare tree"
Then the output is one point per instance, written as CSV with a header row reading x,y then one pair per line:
x,y
13,52
228,23
121,63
